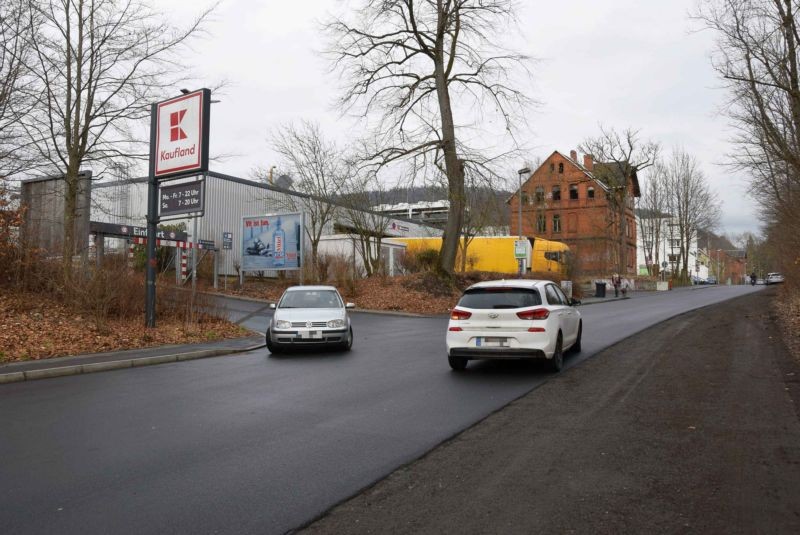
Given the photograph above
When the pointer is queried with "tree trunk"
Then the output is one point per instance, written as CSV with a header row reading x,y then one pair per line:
x,y
70,214
315,268
622,257
453,166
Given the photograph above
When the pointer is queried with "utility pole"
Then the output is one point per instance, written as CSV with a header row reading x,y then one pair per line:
x,y
524,171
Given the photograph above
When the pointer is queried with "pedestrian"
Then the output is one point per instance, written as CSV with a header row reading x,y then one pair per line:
x,y
616,281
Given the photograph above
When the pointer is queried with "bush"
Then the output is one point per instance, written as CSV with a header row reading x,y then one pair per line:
x,y
417,261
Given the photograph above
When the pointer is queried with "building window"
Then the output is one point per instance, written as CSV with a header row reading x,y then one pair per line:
x,y
556,193
590,192
539,193
573,192
541,223
524,198
561,168
556,223
552,167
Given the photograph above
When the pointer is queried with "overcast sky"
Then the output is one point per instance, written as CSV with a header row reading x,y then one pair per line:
x,y
619,62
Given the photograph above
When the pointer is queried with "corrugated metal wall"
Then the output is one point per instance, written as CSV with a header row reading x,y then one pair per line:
x,y
227,201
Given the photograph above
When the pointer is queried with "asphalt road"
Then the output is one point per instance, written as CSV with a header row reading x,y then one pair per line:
x,y
688,427
258,444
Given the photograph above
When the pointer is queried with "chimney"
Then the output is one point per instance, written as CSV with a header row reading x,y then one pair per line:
x,y
574,155
588,163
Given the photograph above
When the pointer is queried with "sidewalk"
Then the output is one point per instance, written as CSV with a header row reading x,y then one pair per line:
x,y
631,294
114,360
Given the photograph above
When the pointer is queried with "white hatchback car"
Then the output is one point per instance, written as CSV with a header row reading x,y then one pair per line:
x,y
513,319
774,278
307,316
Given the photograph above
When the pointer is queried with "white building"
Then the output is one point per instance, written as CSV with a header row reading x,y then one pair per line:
x,y
661,230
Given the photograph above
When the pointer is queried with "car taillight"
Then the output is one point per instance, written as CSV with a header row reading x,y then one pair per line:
x,y
536,330
535,314
457,314
455,329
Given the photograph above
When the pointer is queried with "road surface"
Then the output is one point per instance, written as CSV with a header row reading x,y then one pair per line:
x,y
259,444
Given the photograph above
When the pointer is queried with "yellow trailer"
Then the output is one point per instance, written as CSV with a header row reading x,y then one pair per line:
x,y
496,253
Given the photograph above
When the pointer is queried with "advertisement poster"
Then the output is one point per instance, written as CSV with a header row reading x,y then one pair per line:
x,y
272,242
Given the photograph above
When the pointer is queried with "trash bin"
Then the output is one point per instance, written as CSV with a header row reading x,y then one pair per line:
x,y
599,289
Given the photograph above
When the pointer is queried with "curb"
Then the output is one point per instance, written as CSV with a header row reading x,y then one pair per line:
x,y
78,369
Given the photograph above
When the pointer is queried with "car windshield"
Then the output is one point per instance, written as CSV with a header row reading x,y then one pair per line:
x,y
311,299
500,298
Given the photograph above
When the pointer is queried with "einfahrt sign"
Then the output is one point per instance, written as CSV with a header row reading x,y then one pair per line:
x,y
180,146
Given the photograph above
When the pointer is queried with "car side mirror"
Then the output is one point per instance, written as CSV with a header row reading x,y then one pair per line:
x,y
574,302
350,305
272,306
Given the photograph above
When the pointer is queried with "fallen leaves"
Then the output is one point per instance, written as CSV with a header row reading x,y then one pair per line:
x,y
35,327
787,306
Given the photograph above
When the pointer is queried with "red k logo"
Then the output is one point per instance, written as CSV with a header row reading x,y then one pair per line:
x,y
175,131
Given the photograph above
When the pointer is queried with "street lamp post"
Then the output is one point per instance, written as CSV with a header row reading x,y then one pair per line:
x,y
526,172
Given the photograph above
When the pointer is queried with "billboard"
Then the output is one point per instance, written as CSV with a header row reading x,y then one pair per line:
x,y
272,242
180,144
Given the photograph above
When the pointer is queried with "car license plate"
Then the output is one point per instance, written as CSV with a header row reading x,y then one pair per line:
x,y
491,341
310,334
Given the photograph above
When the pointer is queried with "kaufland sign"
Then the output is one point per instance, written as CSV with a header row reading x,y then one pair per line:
x,y
180,145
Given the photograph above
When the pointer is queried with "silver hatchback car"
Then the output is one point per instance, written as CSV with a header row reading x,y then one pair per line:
x,y
308,316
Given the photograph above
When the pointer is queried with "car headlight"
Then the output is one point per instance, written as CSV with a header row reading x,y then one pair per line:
x,y
283,324
336,324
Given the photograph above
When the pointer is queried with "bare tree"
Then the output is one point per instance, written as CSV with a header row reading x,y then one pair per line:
x,y
418,65
758,57
483,211
692,203
620,156
320,169
98,64
15,96
651,216
369,227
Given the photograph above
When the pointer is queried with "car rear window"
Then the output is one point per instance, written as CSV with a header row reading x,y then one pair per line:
x,y
500,298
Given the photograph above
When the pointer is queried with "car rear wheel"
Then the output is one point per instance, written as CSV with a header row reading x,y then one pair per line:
x,y
459,364
557,362
576,347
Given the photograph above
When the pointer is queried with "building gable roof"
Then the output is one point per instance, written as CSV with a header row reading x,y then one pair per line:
x,y
604,168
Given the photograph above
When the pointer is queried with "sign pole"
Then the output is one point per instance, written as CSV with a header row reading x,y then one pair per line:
x,y
179,130
194,255
152,223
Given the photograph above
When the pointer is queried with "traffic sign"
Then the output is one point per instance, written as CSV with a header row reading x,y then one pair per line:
x,y
520,248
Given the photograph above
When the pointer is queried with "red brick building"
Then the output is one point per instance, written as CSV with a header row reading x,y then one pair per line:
x,y
573,202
